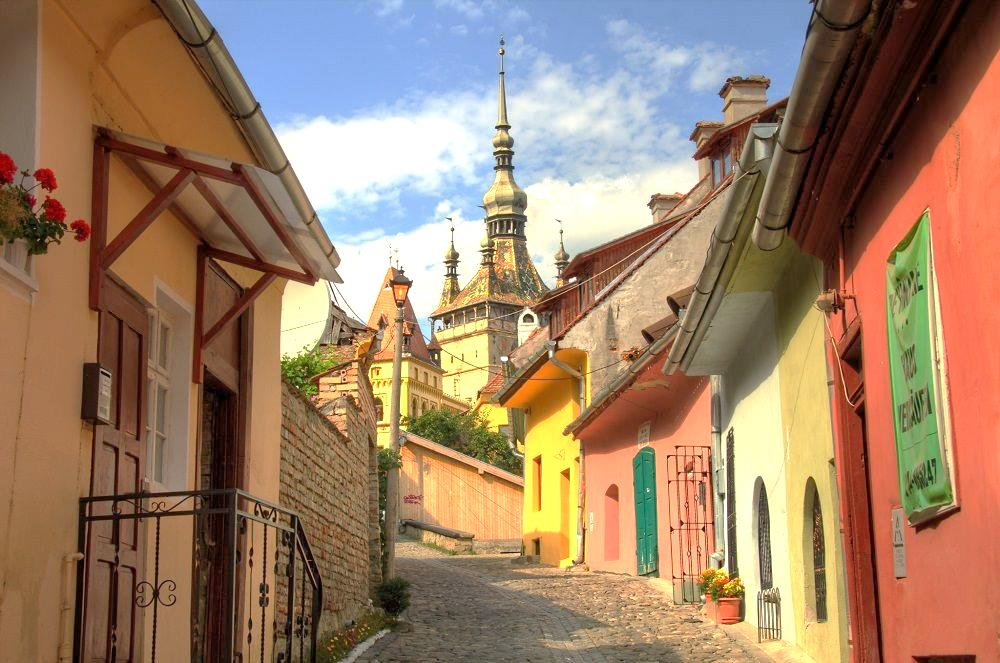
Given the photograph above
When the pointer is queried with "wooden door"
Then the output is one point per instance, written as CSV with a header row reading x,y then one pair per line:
x,y
859,545
644,484
112,622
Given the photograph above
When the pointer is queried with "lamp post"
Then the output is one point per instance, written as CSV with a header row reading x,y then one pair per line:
x,y
400,289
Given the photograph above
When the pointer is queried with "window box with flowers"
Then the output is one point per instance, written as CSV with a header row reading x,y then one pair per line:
x,y
27,226
723,595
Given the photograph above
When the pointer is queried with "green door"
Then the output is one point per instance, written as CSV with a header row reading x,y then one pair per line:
x,y
644,480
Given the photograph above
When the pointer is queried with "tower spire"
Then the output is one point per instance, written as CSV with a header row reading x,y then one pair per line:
x,y
505,201
562,258
450,289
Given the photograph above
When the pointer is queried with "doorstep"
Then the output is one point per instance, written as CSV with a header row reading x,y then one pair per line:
x,y
775,650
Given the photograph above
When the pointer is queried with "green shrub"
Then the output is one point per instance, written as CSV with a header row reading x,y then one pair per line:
x,y
393,595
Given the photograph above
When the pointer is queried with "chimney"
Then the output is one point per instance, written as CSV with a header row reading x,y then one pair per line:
x,y
661,204
704,130
743,96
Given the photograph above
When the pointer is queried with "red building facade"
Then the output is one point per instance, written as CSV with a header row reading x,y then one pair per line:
x,y
912,130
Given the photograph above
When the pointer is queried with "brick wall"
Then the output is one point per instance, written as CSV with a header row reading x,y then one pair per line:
x,y
327,478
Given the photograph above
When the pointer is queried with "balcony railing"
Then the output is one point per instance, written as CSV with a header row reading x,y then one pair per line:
x,y
241,565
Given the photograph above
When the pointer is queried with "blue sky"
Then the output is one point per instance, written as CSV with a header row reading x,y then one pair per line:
x,y
386,110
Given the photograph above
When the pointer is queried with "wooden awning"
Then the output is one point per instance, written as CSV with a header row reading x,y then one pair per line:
x,y
240,214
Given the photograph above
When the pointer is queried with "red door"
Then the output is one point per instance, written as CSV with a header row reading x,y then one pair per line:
x,y
112,622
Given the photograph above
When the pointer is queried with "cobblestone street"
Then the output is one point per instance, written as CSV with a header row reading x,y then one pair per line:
x,y
483,608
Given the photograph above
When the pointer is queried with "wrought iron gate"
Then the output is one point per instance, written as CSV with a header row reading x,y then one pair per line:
x,y
689,497
250,589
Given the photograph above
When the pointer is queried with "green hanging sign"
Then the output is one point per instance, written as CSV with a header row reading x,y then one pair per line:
x,y
917,377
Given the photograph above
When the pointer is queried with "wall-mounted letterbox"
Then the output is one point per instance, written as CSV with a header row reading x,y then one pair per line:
x,y
96,394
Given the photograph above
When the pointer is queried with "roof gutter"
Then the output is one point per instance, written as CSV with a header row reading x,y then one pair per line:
x,y
710,287
832,31
207,48
601,400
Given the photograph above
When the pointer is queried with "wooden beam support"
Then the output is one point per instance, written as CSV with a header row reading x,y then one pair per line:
x,y
227,218
260,266
173,160
197,370
272,219
241,305
143,176
99,220
163,199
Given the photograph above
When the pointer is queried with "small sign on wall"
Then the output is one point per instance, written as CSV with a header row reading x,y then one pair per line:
x,y
898,543
643,437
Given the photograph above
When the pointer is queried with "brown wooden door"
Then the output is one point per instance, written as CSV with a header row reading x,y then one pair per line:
x,y
112,622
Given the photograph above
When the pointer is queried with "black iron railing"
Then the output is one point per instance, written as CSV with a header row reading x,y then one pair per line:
x,y
242,567
768,614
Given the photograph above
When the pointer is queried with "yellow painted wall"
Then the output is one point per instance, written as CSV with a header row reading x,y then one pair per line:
x,y
418,383
805,414
550,404
117,65
465,355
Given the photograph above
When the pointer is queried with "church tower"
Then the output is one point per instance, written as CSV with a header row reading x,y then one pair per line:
x,y
477,325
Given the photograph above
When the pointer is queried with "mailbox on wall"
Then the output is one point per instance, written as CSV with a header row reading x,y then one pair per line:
x,y
97,392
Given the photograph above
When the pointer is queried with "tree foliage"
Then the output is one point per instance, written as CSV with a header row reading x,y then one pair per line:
x,y
298,369
467,433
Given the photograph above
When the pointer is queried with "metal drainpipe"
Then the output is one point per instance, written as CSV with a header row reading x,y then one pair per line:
x,y
717,455
66,607
579,487
833,28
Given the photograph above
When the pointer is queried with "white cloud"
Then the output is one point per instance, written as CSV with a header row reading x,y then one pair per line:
x,y
362,161
459,30
387,7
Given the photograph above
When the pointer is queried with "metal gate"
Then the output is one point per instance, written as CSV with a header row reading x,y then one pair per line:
x,y
689,497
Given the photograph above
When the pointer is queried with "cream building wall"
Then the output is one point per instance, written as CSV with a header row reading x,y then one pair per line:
x,y
121,66
420,391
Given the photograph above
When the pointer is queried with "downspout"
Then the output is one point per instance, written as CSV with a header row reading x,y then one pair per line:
x,y
66,604
709,288
718,506
579,483
208,49
832,31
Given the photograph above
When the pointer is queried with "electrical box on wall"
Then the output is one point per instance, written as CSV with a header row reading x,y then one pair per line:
x,y
96,407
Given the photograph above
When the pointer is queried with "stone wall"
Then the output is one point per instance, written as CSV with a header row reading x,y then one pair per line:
x,y
345,398
327,477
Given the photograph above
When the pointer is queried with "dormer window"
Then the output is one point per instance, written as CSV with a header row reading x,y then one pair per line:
x,y
717,175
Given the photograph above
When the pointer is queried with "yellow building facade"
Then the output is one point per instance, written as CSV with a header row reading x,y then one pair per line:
x,y
110,97
550,398
476,326
422,378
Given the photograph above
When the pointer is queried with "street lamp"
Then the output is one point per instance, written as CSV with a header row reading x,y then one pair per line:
x,y
400,289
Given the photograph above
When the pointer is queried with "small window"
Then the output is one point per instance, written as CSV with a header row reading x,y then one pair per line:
x,y
528,318
18,266
158,393
727,164
716,172
379,410
536,479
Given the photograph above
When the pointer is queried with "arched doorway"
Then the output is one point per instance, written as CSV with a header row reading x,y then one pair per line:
x,y
644,484
611,528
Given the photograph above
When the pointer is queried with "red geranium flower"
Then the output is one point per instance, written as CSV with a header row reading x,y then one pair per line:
x,y
54,210
7,169
46,179
29,200
82,230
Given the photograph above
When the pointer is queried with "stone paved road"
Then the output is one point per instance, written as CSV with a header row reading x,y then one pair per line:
x,y
482,608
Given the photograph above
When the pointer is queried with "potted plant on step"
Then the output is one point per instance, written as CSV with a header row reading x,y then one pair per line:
x,y
728,595
705,581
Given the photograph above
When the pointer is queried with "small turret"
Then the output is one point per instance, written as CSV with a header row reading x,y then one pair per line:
x,y
450,289
562,258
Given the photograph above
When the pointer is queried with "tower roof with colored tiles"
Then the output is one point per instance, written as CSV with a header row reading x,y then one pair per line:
x,y
384,311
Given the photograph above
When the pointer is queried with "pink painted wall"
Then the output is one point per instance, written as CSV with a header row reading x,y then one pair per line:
x,y
944,159
680,415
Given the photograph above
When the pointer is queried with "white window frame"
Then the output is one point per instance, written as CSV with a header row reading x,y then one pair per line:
x,y
158,377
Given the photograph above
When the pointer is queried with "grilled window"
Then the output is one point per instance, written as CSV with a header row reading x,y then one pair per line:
x,y
731,561
764,538
819,559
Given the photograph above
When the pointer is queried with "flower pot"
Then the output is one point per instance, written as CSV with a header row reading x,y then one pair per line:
x,y
710,607
727,611
16,253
